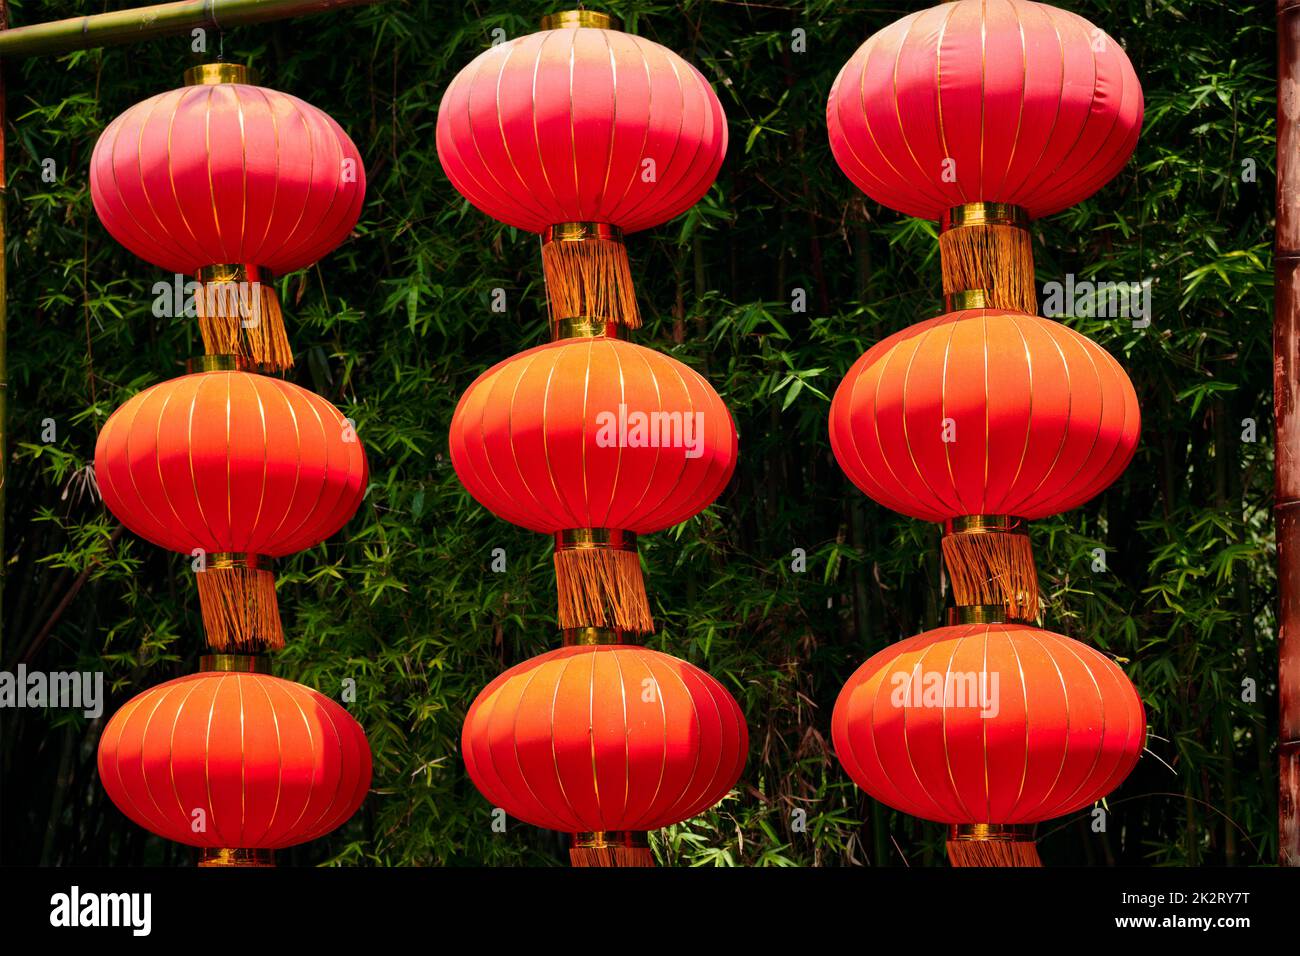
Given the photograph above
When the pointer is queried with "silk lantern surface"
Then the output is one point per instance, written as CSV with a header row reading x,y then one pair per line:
x,y
985,100
227,173
1056,728
604,737
539,439
270,763
581,125
228,461
984,411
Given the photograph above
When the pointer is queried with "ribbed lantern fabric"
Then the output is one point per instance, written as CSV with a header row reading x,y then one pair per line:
x,y
226,173
269,762
233,175
558,126
549,440
1005,101
229,461
988,723
984,411
241,467
604,738
582,134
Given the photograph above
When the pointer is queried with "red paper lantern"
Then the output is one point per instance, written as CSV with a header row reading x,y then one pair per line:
x,y
984,114
604,738
235,761
988,724
600,435
239,467
1005,101
558,126
983,419
984,412
231,177
582,133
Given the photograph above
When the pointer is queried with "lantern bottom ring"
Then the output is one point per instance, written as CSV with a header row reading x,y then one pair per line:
x,y
221,856
984,614
594,636
603,839
585,327
236,663
990,832
581,232
967,299
609,539
985,524
984,214
235,559
219,363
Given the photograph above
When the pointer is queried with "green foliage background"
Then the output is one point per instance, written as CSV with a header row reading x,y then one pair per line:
x,y
394,325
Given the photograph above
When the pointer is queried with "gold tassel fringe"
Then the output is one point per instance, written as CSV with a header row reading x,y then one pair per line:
x,y
993,567
240,612
614,848
610,856
242,319
994,258
602,587
993,853
590,278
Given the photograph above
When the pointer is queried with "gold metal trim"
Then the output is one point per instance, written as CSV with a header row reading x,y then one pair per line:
x,y
990,832
605,839
594,636
980,614
230,559
213,856
212,74
584,327
984,214
613,539
581,232
225,272
572,19
966,299
985,524
235,663
218,363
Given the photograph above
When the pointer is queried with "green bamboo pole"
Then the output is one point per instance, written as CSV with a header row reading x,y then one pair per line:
x,y
144,23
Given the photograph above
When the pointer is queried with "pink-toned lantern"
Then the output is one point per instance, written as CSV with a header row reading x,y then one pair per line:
x,y
232,183
582,133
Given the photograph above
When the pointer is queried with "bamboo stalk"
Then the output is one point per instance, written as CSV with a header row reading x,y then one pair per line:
x,y
4,332
1286,405
144,23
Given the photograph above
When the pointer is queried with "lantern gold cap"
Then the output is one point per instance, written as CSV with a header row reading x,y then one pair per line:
x,y
990,832
235,663
212,74
984,214
572,19
213,856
